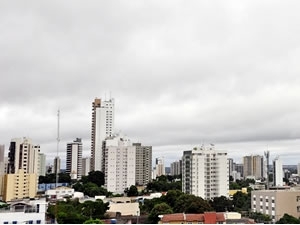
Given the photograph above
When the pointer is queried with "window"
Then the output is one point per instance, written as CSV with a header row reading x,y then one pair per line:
x,y
38,221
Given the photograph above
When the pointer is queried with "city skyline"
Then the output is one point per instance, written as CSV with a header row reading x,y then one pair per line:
x,y
182,74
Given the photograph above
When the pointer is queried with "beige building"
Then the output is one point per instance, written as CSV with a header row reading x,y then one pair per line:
x,y
19,185
276,203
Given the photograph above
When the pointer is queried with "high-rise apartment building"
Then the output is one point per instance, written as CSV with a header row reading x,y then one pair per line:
x,y
102,127
143,164
74,159
120,163
277,172
2,159
205,172
86,166
159,169
254,166
176,168
230,166
57,165
23,155
42,164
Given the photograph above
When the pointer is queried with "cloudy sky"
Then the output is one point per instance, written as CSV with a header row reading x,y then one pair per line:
x,y
182,73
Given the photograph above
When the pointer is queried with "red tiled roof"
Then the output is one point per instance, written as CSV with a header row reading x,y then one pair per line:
x,y
208,217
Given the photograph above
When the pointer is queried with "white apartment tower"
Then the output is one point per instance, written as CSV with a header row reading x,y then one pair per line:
x,y
159,167
176,168
74,159
23,155
277,172
205,172
120,163
102,127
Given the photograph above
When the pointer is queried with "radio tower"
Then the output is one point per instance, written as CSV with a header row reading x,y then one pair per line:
x,y
267,155
57,148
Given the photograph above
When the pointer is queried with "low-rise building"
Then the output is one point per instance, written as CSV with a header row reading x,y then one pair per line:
x,y
276,203
182,218
59,193
25,211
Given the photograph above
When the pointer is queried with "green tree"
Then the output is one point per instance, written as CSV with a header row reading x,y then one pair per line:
x,y
221,204
93,221
191,204
96,177
159,209
241,201
288,219
171,197
133,191
259,217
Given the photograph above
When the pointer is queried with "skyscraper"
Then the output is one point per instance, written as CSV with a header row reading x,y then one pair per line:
x,y
57,165
277,172
42,164
205,172
74,159
86,166
23,155
254,166
120,161
176,168
143,164
102,127
159,167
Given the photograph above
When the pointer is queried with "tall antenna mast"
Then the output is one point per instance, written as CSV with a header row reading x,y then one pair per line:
x,y
57,148
267,155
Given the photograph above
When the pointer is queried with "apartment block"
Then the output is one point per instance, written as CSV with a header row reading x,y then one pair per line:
x,y
74,159
205,172
19,185
176,168
276,203
120,163
254,166
143,164
102,127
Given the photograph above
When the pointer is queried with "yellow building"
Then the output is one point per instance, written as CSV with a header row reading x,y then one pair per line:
x,y
19,185
232,192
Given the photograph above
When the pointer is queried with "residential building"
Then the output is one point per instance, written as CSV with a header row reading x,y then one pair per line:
x,y
231,166
86,166
102,127
57,164
23,154
42,164
143,164
74,159
205,172
201,218
159,167
176,168
276,203
19,185
2,160
277,172
254,166
120,163
24,212
239,167
60,192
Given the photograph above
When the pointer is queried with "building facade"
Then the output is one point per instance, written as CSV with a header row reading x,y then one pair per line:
x,y
205,172
276,203
74,159
120,163
254,166
159,169
176,168
23,155
56,165
42,164
2,160
19,185
86,166
102,127
143,164
277,172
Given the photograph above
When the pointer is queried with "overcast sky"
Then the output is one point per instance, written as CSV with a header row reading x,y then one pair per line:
x,y
182,73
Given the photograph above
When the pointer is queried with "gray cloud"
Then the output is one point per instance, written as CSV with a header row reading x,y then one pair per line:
x,y
182,73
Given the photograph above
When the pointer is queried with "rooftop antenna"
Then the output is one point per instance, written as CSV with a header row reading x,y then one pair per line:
x,y
267,155
57,148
